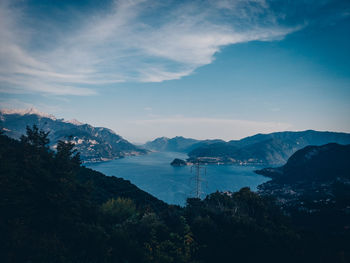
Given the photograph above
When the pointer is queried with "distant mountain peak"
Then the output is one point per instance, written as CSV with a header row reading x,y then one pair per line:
x,y
162,138
34,111
74,121
175,144
28,111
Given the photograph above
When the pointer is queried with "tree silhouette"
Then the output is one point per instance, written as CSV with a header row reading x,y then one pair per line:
x,y
36,138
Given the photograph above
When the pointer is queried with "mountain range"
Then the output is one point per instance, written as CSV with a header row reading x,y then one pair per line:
x,y
177,144
262,149
99,144
93,143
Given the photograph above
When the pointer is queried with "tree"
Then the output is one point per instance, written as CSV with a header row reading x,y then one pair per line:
x,y
36,138
67,154
118,210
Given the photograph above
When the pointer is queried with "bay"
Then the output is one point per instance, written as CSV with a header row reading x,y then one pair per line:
x,y
154,174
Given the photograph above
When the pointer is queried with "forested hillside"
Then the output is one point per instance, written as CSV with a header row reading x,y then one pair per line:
x,y
314,188
55,210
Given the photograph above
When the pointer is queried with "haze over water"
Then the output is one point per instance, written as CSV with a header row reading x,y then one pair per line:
x,y
154,174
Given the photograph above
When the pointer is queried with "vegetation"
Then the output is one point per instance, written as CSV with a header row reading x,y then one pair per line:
x,y
54,210
178,162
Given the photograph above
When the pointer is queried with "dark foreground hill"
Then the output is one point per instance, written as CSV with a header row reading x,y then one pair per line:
x,y
264,149
93,143
314,187
313,164
54,210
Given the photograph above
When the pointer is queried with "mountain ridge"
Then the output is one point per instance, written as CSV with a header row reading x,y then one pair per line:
x,y
177,144
265,149
94,143
323,162
260,149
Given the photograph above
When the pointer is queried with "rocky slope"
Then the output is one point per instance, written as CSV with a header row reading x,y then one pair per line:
x,y
94,143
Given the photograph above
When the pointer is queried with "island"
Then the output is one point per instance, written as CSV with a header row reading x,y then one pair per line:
x,y
178,162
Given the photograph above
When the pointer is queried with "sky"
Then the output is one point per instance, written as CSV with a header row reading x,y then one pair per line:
x,y
201,69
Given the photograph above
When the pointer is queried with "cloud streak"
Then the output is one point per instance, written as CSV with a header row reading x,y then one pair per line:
x,y
137,41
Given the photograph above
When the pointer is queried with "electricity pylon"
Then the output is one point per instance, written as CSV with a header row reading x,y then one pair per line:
x,y
197,178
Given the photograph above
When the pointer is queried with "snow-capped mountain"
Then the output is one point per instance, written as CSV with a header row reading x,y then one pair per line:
x,y
29,111
94,143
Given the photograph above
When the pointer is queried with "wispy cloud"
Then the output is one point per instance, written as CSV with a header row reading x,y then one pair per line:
x,y
139,40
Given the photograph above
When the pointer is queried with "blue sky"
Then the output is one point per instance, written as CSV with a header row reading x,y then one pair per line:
x,y
203,69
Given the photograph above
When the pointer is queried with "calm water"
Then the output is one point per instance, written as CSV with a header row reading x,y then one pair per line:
x,y
154,174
